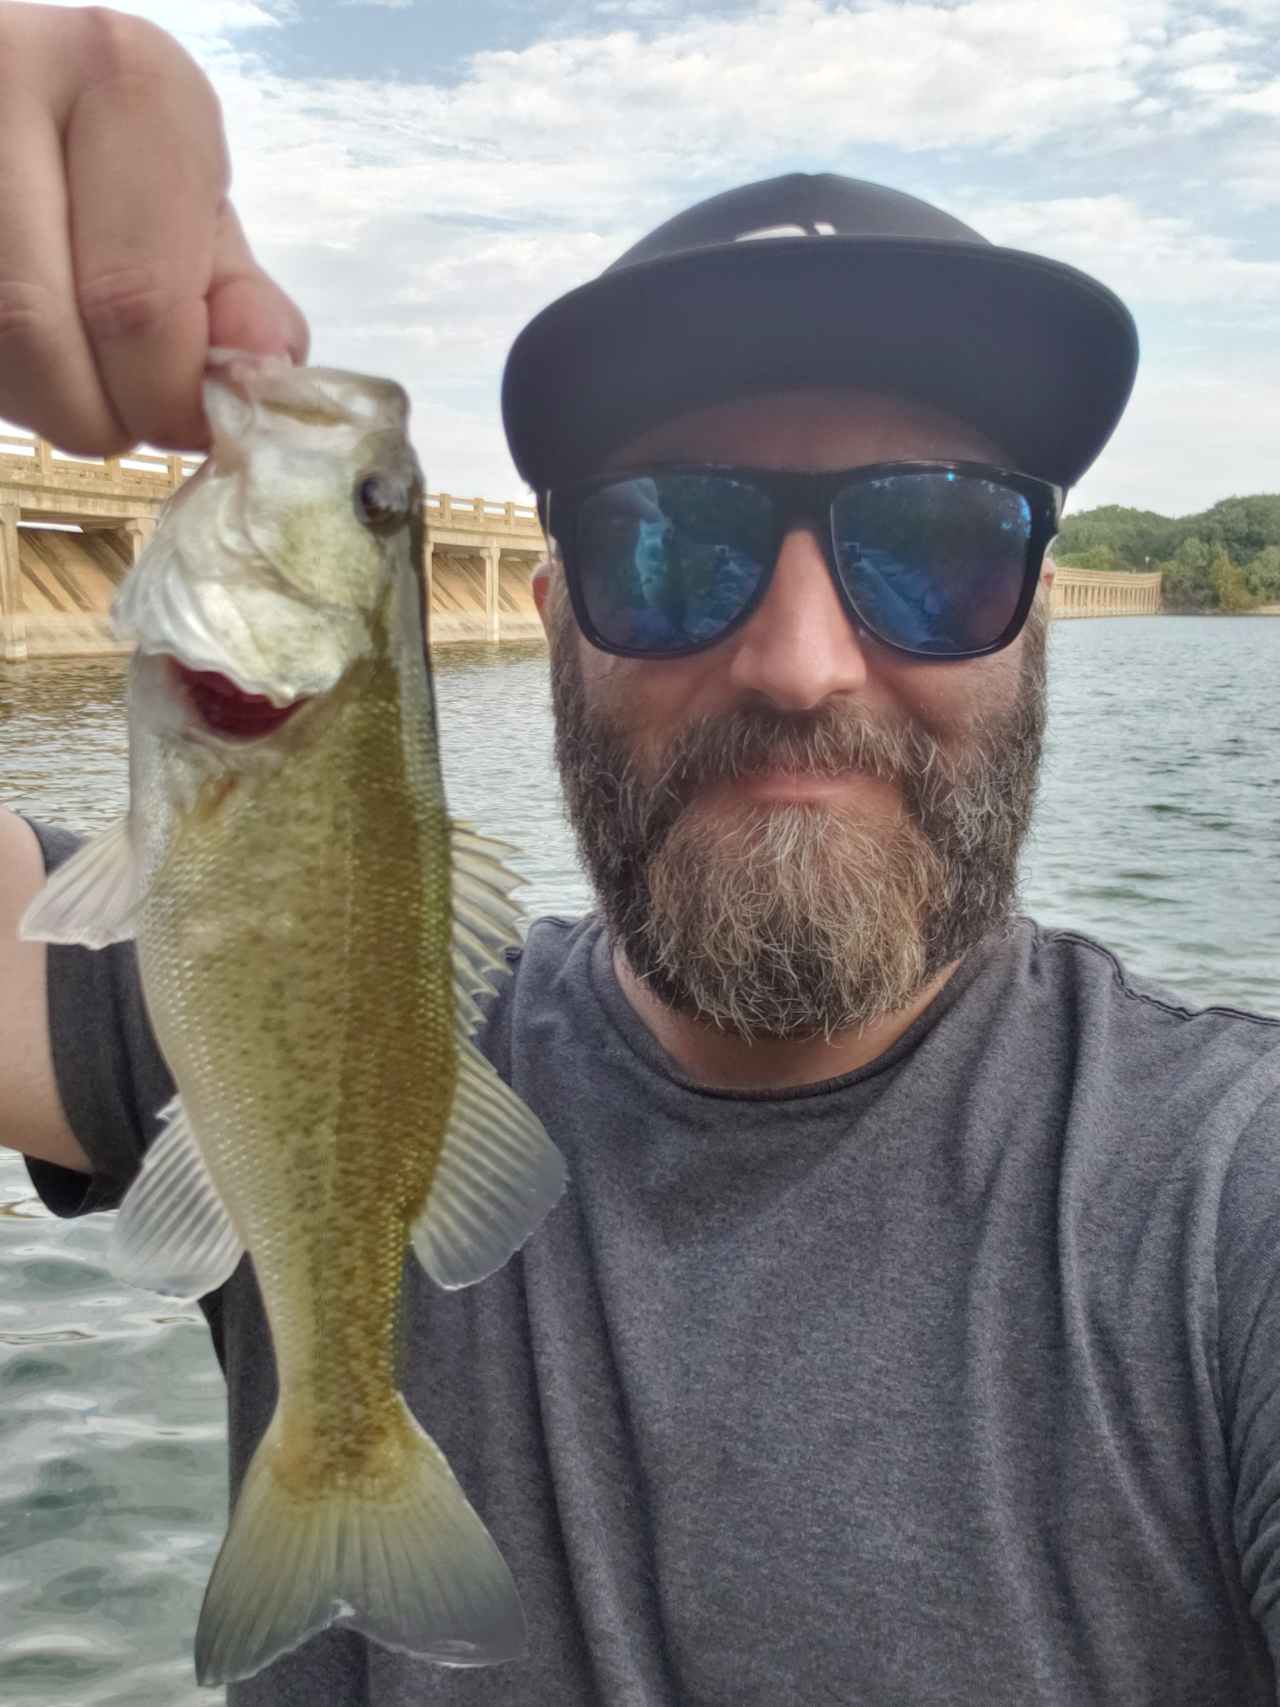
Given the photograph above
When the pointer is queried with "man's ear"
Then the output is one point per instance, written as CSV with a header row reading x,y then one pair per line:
x,y
1047,571
540,586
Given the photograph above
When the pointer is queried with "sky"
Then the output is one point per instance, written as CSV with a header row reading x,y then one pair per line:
x,y
425,175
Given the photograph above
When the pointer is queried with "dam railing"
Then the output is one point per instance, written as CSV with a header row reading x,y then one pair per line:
x,y
476,559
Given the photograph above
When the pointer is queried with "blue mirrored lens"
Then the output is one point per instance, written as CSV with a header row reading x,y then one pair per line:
x,y
933,560
668,561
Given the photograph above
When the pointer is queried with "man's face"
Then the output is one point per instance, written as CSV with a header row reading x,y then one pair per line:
x,y
794,831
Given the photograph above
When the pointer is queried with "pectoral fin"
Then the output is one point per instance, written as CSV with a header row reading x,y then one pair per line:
x,y
91,899
173,1233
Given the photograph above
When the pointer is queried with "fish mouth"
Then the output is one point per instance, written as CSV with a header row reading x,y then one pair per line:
x,y
228,710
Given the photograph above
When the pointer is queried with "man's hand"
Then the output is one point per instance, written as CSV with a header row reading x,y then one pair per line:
x,y
121,259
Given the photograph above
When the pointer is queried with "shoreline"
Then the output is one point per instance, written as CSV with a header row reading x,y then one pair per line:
x,y
88,635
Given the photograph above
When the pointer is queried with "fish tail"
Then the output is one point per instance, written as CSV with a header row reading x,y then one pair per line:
x,y
413,1567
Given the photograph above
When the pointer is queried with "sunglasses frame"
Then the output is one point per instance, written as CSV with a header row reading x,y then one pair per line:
x,y
808,497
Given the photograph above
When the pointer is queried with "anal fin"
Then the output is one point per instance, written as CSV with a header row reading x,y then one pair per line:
x,y
498,1176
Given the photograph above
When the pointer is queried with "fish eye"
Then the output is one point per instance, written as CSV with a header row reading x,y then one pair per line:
x,y
382,503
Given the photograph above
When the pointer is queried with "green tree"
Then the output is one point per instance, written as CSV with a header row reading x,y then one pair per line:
x,y
1229,583
1262,575
1241,526
1133,536
1091,557
1183,588
1194,555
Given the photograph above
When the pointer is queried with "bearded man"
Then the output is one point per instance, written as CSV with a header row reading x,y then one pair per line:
x,y
909,1332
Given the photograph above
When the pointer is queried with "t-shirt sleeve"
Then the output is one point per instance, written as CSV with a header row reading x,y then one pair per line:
x,y
110,1074
1248,1309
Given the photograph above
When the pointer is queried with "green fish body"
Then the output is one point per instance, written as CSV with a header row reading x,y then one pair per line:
x,y
312,932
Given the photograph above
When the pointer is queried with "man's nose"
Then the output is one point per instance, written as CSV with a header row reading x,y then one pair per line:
x,y
799,647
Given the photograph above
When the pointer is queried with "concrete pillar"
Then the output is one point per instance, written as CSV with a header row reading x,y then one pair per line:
x,y
13,622
428,552
492,556
137,532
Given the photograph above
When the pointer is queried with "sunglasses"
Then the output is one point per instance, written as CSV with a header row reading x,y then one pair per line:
x,y
933,559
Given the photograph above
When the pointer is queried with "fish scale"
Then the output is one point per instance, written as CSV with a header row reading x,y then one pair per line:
x,y
373,1095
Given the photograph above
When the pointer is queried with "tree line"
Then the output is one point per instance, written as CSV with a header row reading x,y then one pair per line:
x,y
1227,558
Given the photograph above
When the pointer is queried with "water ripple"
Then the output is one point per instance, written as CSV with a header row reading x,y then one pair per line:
x,y
1156,831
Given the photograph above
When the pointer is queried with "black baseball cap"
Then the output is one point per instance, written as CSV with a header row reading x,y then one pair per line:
x,y
818,279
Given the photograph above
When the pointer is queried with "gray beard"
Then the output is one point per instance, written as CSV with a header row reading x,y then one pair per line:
x,y
798,920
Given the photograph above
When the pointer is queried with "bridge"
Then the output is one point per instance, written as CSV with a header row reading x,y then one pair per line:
x,y
1103,592
56,586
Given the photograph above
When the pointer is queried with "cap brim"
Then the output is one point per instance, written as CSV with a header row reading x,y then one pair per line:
x,y
1037,354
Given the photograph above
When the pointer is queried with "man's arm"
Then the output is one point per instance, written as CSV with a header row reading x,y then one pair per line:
x,y
121,261
32,1118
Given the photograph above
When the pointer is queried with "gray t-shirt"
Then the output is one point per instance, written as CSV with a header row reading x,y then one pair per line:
x,y
955,1380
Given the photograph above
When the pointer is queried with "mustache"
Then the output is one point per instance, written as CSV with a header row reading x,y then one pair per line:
x,y
831,741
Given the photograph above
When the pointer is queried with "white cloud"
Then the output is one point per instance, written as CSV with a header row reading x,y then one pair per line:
x,y
635,8
1145,257
911,75
1254,175
1193,433
1219,78
1204,44
200,20
422,225
1264,100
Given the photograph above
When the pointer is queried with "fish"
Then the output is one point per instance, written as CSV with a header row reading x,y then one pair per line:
x,y
315,937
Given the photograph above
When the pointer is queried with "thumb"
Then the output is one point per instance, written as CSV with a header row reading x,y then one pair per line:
x,y
247,309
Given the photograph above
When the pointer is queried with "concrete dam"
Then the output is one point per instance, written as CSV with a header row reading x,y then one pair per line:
x,y
72,527
66,582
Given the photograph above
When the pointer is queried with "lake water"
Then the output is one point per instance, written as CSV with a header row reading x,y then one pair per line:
x,y
1156,831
